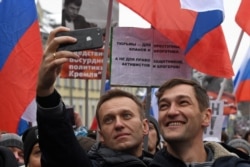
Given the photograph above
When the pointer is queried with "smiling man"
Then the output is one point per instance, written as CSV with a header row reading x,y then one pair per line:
x,y
184,113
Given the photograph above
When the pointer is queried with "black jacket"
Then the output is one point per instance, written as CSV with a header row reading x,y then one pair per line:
x,y
102,156
163,159
60,147
57,140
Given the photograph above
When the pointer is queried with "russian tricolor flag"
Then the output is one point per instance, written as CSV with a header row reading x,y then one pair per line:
x,y
242,17
242,80
194,26
20,57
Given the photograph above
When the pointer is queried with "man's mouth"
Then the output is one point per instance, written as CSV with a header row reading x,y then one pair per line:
x,y
175,123
120,135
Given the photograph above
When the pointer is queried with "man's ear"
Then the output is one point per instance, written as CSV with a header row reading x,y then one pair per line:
x,y
101,139
145,127
206,117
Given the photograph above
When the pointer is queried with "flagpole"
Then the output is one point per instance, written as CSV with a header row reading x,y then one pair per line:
x,y
106,52
87,103
237,46
233,58
147,114
106,48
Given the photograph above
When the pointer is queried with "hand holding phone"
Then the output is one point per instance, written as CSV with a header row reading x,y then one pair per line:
x,y
88,38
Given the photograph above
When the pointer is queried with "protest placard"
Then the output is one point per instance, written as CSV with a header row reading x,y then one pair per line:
x,y
144,57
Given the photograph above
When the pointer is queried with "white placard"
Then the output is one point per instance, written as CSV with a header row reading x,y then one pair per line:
x,y
213,132
143,57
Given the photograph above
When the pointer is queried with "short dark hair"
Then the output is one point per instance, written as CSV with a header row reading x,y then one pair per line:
x,y
76,2
114,93
200,92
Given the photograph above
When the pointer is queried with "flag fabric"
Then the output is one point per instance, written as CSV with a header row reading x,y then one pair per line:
x,y
20,57
154,111
192,25
28,119
242,17
242,80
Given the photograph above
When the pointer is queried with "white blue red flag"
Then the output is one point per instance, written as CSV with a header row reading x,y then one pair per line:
x,y
20,57
242,80
242,17
194,26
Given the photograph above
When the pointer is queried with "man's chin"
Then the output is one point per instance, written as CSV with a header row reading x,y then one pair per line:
x,y
122,146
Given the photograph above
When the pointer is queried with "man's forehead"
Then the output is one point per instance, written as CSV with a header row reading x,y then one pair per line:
x,y
180,90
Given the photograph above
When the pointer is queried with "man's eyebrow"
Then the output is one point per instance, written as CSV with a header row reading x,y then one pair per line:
x,y
183,96
164,99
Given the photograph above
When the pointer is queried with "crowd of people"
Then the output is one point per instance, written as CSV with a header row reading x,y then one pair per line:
x,y
176,139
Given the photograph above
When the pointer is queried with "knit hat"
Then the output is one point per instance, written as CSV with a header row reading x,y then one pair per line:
x,y
155,123
240,143
11,140
30,138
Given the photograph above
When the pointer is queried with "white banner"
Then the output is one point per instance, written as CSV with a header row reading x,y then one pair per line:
x,y
143,57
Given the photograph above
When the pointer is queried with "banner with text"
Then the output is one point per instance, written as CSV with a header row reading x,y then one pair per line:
x,y
213,132
91,13
88,66
144,57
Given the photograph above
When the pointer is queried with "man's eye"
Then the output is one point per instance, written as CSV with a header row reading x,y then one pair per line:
x,y
37,152
127,116
163,106
21,154
108,120
184,103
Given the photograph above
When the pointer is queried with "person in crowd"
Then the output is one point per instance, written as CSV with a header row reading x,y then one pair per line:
x,y
71,17
241,145
237,135
7,158
224,137
247,136
119,114
86,142
32,152
184,113
153,136
92,134
15,144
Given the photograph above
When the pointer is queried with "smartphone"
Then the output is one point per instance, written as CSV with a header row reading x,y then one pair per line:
x,y
71,115
88,38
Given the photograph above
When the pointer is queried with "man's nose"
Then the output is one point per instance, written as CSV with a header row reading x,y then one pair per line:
x,y
173,109
16,155
75,11
118,122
